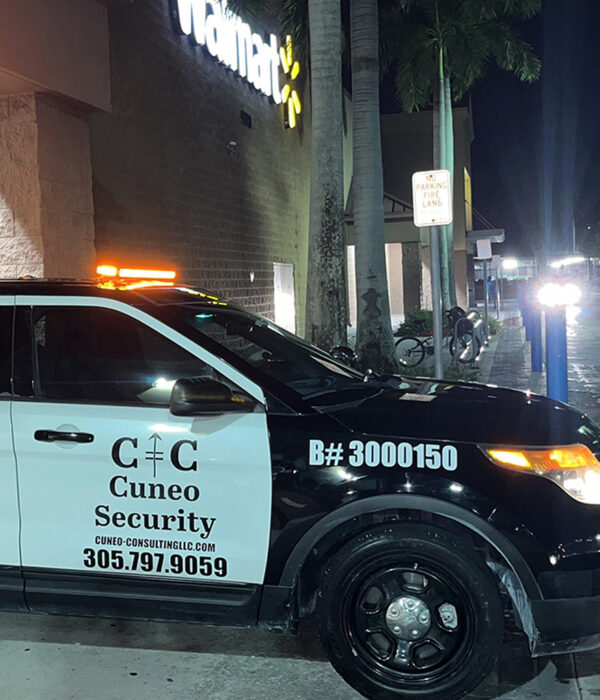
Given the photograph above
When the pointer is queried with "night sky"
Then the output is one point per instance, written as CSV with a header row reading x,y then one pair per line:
x,y
536,154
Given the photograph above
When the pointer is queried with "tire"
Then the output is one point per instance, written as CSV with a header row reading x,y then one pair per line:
x,y
465,347
404,577
409,351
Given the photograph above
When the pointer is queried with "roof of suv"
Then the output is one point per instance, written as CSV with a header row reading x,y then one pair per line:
x,y
155,293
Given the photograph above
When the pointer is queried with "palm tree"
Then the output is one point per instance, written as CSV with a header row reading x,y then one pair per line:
x,y
374,339
441,48
316,26
326,306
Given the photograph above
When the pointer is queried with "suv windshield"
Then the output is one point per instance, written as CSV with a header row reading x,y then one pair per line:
x,y
268,348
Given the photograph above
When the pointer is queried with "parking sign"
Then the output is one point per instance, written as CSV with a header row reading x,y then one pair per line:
x,y
432,198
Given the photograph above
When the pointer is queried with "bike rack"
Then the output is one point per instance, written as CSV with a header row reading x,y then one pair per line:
x,y
478,328
475,322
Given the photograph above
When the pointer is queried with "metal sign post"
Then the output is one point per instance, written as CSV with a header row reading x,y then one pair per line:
x,y
436,300
486,302
432,206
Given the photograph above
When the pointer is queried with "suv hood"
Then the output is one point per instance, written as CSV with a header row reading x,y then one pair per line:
x,y
465,412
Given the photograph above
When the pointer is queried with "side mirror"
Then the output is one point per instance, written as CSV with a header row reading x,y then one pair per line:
x,y
197,396
345,355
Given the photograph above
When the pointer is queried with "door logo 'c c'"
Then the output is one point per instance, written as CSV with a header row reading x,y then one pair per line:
x,y
125,454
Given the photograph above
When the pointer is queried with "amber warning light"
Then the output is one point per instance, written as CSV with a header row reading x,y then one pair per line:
x,y
133,278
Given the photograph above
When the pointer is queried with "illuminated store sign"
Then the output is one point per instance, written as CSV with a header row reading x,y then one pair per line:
x,y
212,24
289,96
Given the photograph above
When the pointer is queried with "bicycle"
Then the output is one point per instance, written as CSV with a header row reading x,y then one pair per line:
x,y
462,342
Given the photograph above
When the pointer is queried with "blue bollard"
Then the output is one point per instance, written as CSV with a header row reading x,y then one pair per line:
x,y
556,354
535,322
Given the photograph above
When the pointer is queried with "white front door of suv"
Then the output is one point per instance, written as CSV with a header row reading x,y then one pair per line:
x,y
109,479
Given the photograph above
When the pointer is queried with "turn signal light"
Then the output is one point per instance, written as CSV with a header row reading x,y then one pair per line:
x,y
542,461
572,467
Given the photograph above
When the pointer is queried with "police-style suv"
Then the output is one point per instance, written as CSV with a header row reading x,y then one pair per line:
x,y
165,454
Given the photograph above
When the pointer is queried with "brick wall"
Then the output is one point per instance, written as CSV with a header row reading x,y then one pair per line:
x,y
168,190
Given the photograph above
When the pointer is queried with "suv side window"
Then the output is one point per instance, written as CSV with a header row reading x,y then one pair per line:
x,y
99,355
6,324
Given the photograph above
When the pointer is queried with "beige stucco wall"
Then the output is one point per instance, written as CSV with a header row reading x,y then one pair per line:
x,y
65,177
393,261
21,249
46,213
59,46
407,148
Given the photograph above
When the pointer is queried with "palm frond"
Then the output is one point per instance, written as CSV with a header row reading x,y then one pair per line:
x,y
293,16
250,8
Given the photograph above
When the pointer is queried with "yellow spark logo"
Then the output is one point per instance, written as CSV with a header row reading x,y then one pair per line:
x,y
289,97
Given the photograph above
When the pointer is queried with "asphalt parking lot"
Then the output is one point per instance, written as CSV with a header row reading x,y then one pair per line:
x,y
61,658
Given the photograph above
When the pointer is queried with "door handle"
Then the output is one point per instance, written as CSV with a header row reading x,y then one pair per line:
x,y
58,436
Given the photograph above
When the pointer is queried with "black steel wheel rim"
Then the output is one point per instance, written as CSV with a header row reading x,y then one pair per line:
x,y
416,662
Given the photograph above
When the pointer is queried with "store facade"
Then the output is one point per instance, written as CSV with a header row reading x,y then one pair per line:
x,y
156,133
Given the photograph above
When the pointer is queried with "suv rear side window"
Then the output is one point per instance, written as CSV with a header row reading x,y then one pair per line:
x,y
6,332
99,355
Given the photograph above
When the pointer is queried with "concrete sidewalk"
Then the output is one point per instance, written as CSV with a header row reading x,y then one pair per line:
x,y
507,360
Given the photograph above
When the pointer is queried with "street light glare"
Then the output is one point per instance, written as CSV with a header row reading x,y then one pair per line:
x,y
571,260
553,294
510,264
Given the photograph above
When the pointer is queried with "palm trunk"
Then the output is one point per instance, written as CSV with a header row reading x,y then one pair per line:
x,y
449,233
374,339
439,163
326,305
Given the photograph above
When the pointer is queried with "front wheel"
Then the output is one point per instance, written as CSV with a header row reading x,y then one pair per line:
x,y
409,351
407,611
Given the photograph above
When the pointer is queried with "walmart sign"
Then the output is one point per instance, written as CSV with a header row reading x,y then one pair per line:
x,y
210,23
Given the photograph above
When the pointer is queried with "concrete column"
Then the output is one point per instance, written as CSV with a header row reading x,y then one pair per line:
x,y
46,209
412,276
21,248
462,282
65,176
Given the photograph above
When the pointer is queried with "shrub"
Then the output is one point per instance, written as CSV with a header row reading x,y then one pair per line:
x,y
495,325
416,322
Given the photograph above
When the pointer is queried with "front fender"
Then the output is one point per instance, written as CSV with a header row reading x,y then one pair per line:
x,y
373,504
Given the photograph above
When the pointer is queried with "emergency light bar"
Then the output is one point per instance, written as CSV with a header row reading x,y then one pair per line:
x,y
132,273
133,278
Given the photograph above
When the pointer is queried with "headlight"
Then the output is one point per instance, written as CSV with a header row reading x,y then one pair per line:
x,y
573,467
